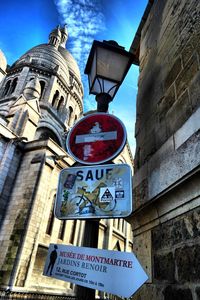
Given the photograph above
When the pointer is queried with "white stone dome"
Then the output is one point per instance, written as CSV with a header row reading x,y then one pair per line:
x,y
46,55
3,61
71,62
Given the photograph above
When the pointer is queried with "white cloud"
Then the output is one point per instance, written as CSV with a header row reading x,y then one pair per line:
x,y
84,19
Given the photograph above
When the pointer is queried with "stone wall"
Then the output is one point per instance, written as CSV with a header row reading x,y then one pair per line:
x,y
166,183
167,244
169,74
168,101
176,255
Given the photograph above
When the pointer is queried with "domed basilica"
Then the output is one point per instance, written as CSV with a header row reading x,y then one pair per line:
x,y
49,76
41,96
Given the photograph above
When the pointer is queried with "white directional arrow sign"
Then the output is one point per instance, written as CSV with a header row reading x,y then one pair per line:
x,y
114,272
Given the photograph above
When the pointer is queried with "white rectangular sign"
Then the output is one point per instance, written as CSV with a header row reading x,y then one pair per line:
x,y
115,272
93,137
94,192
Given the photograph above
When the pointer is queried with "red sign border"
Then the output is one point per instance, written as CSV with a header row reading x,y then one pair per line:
x,y
117,152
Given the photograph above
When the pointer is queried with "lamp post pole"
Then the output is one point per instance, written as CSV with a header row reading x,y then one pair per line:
x,y
107,66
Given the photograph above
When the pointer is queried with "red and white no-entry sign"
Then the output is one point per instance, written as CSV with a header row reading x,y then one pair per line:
x,y
96,138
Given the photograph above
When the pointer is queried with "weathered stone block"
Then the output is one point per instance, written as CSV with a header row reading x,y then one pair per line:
x,y
161,237
187,52
171,293
140,175
186,75
149,292
175,232
179,113
161,134
173,73
166,102
198,293
188,263
142,250
194,91
164,267
149,147
165,150
140,193
188,129
151,89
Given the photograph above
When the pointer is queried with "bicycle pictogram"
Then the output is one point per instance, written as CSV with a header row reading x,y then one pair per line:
x,y
90,202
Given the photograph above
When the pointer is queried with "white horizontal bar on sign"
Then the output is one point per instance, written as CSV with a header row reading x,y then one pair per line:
x,y
93,137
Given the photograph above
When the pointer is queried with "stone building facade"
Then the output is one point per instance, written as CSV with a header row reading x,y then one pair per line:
x,y
166,220
41,97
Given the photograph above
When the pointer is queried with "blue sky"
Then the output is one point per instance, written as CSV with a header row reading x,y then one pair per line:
x,y
24,24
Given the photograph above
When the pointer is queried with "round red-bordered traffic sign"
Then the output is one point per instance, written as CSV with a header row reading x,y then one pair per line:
x,y
96,138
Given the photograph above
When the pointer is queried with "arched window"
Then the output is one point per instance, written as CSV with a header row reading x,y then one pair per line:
x,y
44,133
13,85
60,103
7,87
70,115
55,99
42,85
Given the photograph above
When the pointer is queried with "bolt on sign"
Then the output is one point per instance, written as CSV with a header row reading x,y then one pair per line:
x,y
94,192
96,138
115,272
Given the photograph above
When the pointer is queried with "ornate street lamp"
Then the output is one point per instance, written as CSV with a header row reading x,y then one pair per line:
x,y
107,66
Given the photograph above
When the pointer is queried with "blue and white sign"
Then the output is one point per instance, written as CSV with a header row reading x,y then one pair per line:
x,y
94,192
115,272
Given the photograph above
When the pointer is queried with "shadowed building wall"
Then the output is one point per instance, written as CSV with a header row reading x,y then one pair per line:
x,y
166,182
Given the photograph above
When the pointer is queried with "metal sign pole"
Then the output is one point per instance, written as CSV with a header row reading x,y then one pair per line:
x,y
91,235
92,226
90,240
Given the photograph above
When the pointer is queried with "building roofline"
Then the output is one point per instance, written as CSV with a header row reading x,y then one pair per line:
x,y
135,46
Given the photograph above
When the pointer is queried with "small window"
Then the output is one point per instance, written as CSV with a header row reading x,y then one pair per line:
x,y
60,103
55,99
42,85
7,87
70,115
13,85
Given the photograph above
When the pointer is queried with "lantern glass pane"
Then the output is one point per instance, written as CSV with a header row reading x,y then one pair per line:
x,y
96,88
104,86
93,69
111,65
